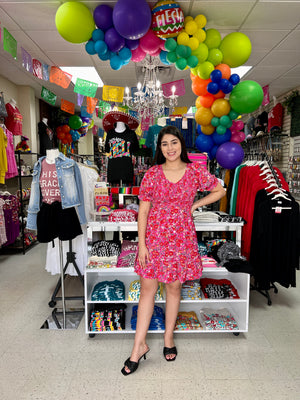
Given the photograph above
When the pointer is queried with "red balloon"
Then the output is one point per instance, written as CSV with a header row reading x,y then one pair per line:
x,y
59,129
66,128
207,100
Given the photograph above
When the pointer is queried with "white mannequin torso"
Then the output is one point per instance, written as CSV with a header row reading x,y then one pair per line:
x,y
45,120
120,127
51,155
13,103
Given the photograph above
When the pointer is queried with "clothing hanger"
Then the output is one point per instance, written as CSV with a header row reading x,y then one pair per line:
x,y
280,195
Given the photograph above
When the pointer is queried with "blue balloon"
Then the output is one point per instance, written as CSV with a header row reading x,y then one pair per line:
x,y
199,129
125,54
234,79
101,47
163,57
228,88
219,139
106,56
97,34
90,47
224,84
213,88
213,151
204,143
216,75
116,63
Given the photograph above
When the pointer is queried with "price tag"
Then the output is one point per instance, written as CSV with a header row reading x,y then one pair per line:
x,y
278,210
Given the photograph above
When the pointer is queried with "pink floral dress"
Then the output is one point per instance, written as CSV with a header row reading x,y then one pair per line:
x,y
170,234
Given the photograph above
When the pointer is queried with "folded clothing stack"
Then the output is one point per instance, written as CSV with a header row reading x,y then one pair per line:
x,y
157,320
206,216
101,262
187,321
108,291
135,288
190,290
218,319
108,318
104,254
218,289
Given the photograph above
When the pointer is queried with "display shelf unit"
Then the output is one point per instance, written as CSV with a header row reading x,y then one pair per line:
x,y
239,308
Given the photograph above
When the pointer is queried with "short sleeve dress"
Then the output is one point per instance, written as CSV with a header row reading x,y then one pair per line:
x,y
170,234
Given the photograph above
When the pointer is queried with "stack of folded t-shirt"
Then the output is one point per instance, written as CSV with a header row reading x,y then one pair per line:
x,y
104,254
157,320
135,288
108,318
187,321
218,319
218,289
128,254
190,290
108,291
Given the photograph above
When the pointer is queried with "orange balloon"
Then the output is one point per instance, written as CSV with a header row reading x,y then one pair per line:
x,y
192,76
225,69
199,86
207,129
220,107
203,116
66,128
59,129
219,95
207,100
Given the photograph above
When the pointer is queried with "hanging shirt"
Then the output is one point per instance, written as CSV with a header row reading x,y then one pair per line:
x,y
3,156
275,118
14,121
12,169
120,147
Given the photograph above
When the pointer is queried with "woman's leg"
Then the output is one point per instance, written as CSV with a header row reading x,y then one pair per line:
x,y
145,311
173,290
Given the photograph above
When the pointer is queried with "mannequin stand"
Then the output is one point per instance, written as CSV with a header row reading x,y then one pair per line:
x,y
71,259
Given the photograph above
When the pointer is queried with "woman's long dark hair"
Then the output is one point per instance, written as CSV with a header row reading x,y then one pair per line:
x,y
170,130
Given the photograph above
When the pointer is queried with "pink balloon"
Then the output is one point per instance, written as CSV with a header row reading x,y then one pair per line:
x,y
137,54
242,136
239,125
156,53
234,126
162,45
235,137
234,130
150,42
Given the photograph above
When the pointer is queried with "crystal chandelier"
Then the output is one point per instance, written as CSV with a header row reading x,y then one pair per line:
x,y
149,100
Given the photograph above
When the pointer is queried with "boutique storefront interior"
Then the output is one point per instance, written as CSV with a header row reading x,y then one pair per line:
x,y
73,77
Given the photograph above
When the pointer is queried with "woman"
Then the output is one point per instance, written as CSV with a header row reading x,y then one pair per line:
x,y
168,250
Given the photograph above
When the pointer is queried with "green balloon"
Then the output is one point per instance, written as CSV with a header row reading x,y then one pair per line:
x,y
246,97
215,56
213,38
221,129
192,61
236,48
201,53
233,114
172,57
170,44
188,51
181,63
75,122
74,22
205,69
181,50
225,121
215,121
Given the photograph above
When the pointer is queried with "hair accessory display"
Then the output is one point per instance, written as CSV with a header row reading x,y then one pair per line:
x,y
112,117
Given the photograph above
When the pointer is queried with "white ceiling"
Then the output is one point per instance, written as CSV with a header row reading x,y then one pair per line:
x,y
272,26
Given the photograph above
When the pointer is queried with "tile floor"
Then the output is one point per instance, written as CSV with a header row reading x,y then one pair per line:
x,y
66,364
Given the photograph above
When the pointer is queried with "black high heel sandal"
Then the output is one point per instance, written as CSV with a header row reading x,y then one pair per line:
x,y
132,365
168,351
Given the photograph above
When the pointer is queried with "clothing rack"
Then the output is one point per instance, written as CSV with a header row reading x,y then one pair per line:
x,y
265,293
71,259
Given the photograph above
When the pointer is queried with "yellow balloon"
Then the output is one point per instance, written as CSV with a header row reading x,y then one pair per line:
x,y
183,38
193,43
187,19
203,116
201,20
220,107
191,27
200,35
197,103
207,129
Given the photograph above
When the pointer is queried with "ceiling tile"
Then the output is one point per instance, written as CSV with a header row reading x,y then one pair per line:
x,y
265,40
291,42
276,57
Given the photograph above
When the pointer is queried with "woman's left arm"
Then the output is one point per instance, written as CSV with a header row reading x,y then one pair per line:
x,y
215,194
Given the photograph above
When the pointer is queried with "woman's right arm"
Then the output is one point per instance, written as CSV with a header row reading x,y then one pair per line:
x,y
144,208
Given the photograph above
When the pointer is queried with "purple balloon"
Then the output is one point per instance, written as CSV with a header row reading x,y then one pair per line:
x,y
230,155
103,17
114,41
85,119
131,18
132,44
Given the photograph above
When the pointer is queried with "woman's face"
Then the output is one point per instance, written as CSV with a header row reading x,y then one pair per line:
x,y
170,147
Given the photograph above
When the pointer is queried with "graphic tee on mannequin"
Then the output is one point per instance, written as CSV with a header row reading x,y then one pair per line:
x,y
120,143
14,121
48,178
46,136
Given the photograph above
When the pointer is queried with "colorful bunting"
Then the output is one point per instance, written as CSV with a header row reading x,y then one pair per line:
x,y
9,43
91,104
37,68
48,96
179,85
60,77
67,106
26,60
86,88
80,98
46,72
113,93
103,109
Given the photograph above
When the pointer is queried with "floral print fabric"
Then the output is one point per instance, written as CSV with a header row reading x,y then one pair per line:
x,y
170,235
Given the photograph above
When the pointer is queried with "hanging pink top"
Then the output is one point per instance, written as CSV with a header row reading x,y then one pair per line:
x,y
12,169
14,121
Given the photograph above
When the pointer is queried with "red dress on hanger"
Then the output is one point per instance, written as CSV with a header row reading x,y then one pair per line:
x,y
14,121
